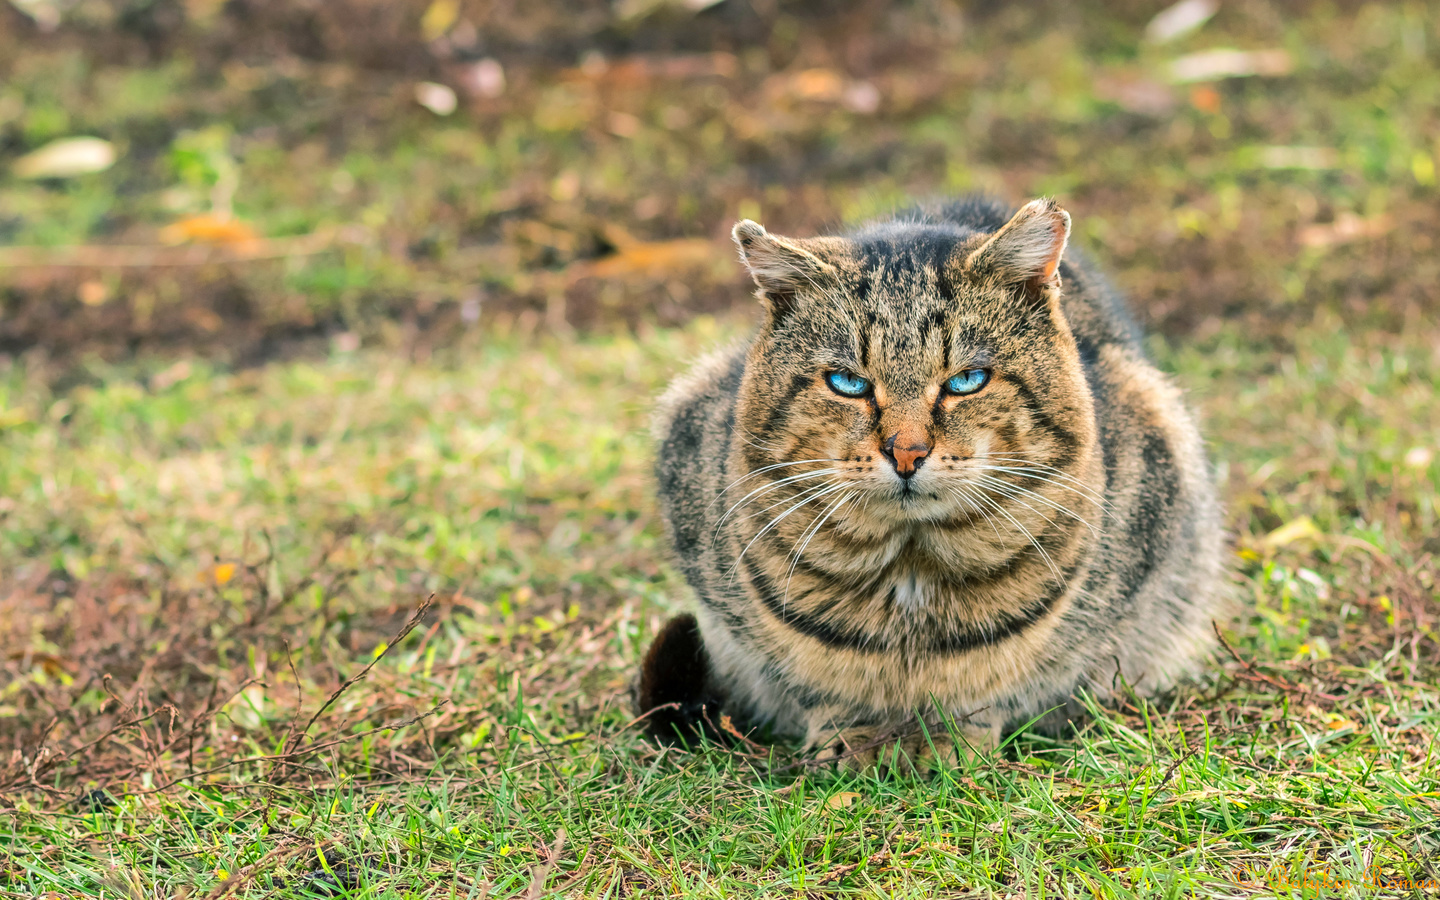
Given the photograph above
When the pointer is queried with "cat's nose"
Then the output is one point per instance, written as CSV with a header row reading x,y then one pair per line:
x,y
906,459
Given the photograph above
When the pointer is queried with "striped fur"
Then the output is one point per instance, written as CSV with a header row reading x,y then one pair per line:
x,y
1061,533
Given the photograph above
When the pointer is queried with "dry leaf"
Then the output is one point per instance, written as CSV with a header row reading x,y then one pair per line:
x,y
842,800
209,229
66,158
650,259
438,18
1316,158
1212,65
93,293
1419,457
437,98
1347,227
484,78
1135,93
1205,98
1292,531
171,376
1174,22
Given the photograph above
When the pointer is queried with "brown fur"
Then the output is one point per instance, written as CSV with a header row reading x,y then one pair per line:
x,y
918,563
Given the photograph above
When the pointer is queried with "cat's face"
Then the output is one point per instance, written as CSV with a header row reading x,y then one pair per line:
x,y
910,367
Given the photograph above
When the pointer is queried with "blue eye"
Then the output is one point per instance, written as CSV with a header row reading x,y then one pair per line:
x,y
968,381
848,384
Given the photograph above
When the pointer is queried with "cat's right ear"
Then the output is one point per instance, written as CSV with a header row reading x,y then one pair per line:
x,y
781,266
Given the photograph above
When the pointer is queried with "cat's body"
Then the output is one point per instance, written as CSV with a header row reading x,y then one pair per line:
x,y
873,539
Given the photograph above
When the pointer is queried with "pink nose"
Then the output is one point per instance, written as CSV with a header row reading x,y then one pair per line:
x,y
906,458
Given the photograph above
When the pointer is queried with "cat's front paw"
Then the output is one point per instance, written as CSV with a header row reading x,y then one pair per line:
x,y
854,749
909,749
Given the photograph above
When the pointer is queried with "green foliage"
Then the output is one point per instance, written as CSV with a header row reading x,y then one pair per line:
x,y
510,479
195,554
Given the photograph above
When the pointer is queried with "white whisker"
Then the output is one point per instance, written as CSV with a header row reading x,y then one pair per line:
x,y
1027,464
772,485
764,469
1050,479
830,489
810,536
1013,489
787,499
970,500
995,505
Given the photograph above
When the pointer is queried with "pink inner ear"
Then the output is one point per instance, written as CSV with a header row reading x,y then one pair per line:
x,y
1058,232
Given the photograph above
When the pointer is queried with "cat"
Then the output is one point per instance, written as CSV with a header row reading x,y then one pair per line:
x,y
937,495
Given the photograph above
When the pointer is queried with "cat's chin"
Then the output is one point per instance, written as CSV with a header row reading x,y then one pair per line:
x,y
915,503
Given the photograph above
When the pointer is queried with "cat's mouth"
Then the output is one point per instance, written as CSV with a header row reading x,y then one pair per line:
x,y
909,495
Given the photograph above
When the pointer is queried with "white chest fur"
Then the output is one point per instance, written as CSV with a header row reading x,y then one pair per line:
x,y
911,592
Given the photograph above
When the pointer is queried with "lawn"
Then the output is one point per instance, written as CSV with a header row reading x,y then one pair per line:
x,y
327,573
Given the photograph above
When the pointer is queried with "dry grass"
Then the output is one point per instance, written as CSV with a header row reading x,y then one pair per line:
x,y
227,490
196,569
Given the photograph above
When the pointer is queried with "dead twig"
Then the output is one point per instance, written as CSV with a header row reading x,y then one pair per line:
x,y
542,872
294,741
1255,674
292,756
244,876
1170,773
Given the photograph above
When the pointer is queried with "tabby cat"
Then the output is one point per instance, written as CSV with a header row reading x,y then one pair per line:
x,y
939,492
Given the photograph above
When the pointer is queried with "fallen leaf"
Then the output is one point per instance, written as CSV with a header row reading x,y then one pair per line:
x,y
640,70
820,85
437,98
842,800
1212,65
1292,531
629,10
1315,158
1175,22
1419,457
52,665
815,84
1346,228
171,376
66,158
484,78
224,572
650,259
622,124
209,229
93,293
1205,98
45,13
438,18
861,97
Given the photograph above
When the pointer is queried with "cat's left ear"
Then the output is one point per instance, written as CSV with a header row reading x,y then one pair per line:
x,y
1027,249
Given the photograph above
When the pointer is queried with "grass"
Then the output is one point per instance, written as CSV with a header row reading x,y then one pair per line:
x,y
228,491
230,546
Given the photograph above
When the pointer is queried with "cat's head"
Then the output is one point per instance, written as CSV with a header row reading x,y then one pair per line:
x,y
912,359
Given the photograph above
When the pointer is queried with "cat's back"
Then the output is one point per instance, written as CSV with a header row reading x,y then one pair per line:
x,y
693,426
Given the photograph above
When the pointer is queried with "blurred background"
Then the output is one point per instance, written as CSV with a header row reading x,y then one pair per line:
x,y
313,309
254,178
